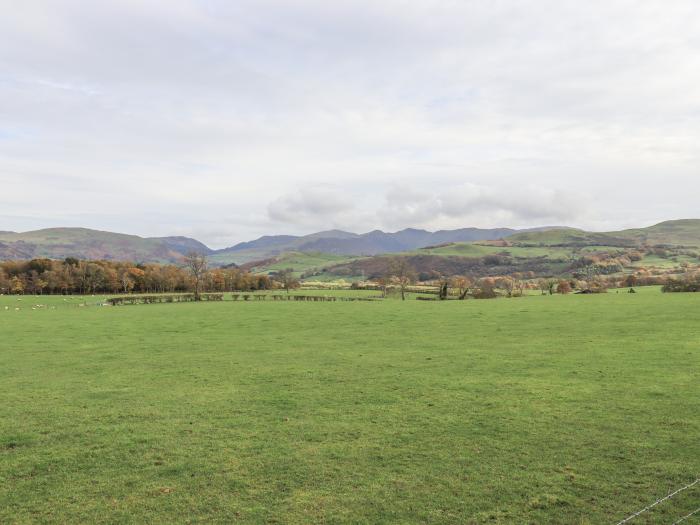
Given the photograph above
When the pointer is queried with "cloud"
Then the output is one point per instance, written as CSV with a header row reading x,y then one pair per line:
x,y
257,115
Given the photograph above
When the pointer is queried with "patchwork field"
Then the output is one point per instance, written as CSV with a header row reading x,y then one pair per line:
x,y
563,409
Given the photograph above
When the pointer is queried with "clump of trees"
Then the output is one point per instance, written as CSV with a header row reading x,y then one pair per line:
x,y
688,283
71,276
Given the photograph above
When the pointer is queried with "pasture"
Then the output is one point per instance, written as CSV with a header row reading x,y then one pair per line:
x,y
563,409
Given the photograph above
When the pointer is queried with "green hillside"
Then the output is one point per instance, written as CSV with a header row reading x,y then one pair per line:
x,y
300,263
684,232
83,243
675,233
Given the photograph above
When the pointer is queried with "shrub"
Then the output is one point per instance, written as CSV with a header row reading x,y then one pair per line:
x,y
689,284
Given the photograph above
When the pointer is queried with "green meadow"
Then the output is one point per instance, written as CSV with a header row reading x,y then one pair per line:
x,y
546,410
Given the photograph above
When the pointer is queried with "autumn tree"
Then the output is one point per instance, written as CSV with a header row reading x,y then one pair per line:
x,y
125,281
507,284
462,284
4,282
564,287
17,285
382,283
286,279
402,275
485,289
196,263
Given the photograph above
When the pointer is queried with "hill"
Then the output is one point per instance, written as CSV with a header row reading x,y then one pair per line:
x,y
83,243
673,233
338,242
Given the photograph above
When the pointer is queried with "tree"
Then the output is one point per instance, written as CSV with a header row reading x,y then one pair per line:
x,y
463,284
286,279
16,285
402,274
485,289
91,277
631,281
564,287
125,281
444,289
506,284
4,282
197,265
382,283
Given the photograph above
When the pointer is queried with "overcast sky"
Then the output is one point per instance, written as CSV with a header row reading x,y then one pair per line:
x,y
226,120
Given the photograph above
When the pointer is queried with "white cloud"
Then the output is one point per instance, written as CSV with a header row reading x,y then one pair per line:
x,y
257,117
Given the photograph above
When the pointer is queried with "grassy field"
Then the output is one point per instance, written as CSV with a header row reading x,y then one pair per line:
x,y
563,409
301,262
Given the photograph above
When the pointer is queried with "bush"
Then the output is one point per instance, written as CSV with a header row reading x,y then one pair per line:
x,y
485,293
682,285
563,287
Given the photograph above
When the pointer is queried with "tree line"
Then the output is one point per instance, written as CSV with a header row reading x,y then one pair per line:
x,y
73,276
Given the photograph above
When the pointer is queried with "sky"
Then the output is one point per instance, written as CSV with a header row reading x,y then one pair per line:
x,y
229,120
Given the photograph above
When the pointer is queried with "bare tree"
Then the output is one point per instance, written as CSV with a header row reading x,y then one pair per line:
x,y
382,283
547,286
402,275
197,265
462,283
287,279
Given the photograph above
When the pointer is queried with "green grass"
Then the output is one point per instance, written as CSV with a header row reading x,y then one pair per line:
x,y
574,409
681,233
301,262
550,252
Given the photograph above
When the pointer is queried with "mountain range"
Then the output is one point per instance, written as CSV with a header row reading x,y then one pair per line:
x,y
83,243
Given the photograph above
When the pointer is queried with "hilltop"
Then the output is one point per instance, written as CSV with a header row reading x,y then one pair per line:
x,y
336,246
83,243
684,232
337,242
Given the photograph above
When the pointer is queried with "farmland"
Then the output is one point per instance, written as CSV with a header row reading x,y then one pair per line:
x,y
561,409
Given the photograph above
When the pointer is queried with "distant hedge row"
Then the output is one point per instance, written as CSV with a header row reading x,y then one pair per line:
x,y
172,298
190,297
263,297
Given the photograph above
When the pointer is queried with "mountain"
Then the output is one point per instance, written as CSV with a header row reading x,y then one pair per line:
x,y
83,243
184,245
339,242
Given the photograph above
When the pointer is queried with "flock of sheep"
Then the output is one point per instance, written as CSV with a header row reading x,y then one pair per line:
x,y
40,306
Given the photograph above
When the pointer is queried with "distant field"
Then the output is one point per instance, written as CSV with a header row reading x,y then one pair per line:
x,y
547,410
301,262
